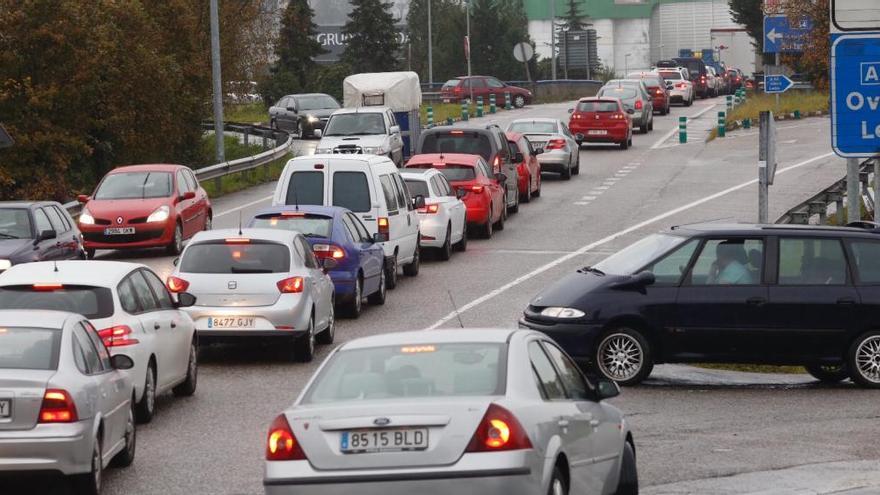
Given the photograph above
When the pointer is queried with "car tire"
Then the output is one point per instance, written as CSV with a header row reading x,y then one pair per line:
x,y
577,166
499,225
515,207
411,269
863,359
378,298
558,483
643,128
273,124
828,373
651,125
623,355
176,245
300,131
125,457
624,144
90,483
519,101
354,304
446,250
209,222
528,196
629,475
488,227
462,244
391,273
566,173
689,102
90,254
188,386
145,409
537,192
304,346
328,335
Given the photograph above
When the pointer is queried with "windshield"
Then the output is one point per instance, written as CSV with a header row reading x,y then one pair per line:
x,y
533,127
623,93
417,188
597,106
468,143
251,257
451,171
133,185
316,102
355,124
306,224
15,223
91,302
411,371
640,254
29,348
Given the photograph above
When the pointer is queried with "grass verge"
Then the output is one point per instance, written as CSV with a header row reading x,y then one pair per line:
x,y
246,113
243,180
753,368
444,110
233,148
804,101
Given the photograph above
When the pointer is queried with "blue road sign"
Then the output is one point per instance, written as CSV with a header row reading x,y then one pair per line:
x,y
782,36
777,83
855,94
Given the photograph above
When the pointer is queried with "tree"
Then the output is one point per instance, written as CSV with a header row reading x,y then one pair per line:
x,y
750,14
448,30
496,27
814,61
295,49
573,19
372,44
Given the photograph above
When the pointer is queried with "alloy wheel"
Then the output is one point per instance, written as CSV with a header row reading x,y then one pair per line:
x,y
868,359
558,488
620,356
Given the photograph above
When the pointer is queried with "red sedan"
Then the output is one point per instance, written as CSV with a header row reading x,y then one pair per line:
x,y
461,88
472,178
527,167
602,120
144,206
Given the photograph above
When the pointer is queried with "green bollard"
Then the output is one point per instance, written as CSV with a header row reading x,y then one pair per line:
x,y
492,103
729,102
464,110
682,130
430,114
448,120
507,105
722,124
479,106
797,114
747,123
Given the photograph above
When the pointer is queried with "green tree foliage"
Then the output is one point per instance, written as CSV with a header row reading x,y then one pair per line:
x,y
372,43
750,14
448,29
496,27
295,49
573,19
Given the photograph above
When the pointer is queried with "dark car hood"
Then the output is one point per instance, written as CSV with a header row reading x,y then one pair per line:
x,y
575,289
9,248
320,112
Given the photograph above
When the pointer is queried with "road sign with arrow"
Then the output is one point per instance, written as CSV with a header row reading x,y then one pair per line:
x,y
777,84
783,36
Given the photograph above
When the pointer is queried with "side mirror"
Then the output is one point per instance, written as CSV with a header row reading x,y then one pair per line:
x,y
459,193
518,157
571,110
317,133
501,178
176,261
419,201
121,362
188,195
328,264
291,109
185,300
630,111
379,237
644,278
45,235
670,86
83,198
606,389
395,129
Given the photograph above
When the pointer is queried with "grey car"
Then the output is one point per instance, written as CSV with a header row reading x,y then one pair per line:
x,y
634,95
560,150
37,231
64,405
302,113
471,411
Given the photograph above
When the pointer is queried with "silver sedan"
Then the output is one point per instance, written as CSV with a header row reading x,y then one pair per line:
x,y
451,411
560,151
64,405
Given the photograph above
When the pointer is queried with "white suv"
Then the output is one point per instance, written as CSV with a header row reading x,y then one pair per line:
x,y
362,130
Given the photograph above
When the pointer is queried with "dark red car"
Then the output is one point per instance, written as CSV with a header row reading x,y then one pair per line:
x,y
460,88
528,169
602,120
144,206
472,178
657,88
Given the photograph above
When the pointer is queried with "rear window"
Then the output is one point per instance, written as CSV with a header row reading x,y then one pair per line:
x,y
220,257
533,127
469,143
597,106
306,224
134,185
29,348
424,370
671,76
305,188
417,187
623,93
451,171
350,190
91,302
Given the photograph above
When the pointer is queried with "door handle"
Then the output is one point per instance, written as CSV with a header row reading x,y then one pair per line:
x,y
156,326
846,300
173,324
563,423
756,301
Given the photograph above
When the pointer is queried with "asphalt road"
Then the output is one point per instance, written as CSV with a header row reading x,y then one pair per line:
x,y
691,426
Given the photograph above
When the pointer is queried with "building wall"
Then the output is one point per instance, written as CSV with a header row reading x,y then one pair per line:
x,y
686,25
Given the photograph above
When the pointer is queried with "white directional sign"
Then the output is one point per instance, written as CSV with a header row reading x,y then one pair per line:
x,y
855,15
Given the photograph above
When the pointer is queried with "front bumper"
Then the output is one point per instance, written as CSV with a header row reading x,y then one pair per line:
x,y
432,230
146,236
290,310
62,448
577,339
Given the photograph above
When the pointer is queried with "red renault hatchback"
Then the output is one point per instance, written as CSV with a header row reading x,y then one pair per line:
x,y
144,206
480,190
601,120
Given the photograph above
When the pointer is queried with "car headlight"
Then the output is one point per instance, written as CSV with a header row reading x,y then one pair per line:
x,y
86,218
5,265
375,150
323,151
312,119
160,214
557,312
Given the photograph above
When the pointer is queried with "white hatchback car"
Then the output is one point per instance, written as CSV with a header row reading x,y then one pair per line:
x,y
443,220
133,312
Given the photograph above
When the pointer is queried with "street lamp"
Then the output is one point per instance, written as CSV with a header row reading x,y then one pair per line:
x,y
430,49
467,6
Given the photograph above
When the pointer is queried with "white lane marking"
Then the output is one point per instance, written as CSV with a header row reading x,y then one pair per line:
x,y
562,259
595,192
675,130
588,198
246,205
581,203
602,188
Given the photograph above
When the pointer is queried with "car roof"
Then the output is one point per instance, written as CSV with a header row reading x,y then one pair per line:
x,y
538,119
330,211
77,272
147,167
445,128
599,98
447,336
418,173
26,204
35,318
770,229
368,159
461,158
276,235
376,109
306,94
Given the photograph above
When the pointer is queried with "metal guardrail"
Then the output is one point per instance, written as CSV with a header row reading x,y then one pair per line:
x,y
835,194
219,170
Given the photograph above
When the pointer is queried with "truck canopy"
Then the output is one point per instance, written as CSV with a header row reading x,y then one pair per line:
x,y
400,91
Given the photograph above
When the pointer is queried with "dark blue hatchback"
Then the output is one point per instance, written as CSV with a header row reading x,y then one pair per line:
x,y
338,234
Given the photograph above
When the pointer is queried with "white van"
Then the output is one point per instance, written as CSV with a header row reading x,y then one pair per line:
x,y
371,187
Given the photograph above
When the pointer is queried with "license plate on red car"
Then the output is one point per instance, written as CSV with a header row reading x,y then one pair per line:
x,y
119,230
597,132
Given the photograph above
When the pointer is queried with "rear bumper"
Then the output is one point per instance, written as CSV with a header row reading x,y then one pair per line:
x,y
432,230
62,448
287,311
616,134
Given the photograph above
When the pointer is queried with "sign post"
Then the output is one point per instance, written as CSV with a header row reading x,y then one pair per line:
x,y
766,162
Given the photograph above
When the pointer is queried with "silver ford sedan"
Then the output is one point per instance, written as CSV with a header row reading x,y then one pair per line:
x,y
561,152
64,405
451,411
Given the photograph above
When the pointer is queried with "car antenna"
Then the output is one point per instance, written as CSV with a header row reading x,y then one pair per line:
x,y
56,266
457,314
239,222
713,220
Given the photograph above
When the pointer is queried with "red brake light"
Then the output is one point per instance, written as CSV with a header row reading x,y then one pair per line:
x,y
238,240
429,209
117,336
292,214
638,104
176,284
292,285
328,251
382,224
47,287
456,133
57,407
555,144
477,189
281,445
659,92
499,430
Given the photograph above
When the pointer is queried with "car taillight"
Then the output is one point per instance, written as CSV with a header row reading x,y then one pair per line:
x,y
681,85
292,285
281,445
176,284
575,116
477,189
57,407
499,430
382,224
658,92
618,116
703,78
555,144
429,209
117,336
638,104
47,287
328,251
497,163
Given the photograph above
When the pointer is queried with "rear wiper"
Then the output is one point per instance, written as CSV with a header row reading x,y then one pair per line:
x,y
314,236
4,235
249,270
591,270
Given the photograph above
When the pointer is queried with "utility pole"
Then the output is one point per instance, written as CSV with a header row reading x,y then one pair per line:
x,y
553,39
218,86
467,5
430,48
